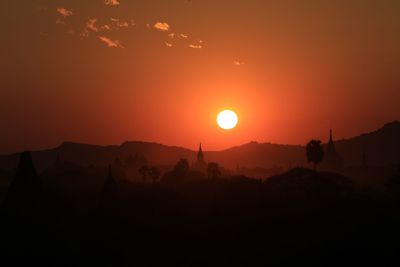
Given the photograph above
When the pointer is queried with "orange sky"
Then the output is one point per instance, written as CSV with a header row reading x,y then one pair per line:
x,y
160,71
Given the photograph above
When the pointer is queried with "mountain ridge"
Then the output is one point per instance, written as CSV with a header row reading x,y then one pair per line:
x,y
381,146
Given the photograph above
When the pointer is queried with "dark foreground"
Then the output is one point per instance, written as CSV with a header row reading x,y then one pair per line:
x,y
300,217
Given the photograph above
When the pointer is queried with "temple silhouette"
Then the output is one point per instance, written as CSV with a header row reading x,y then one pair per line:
x,y
25,191
200,164
332,160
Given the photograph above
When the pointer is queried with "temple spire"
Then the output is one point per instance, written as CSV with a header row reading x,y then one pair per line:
x,y
200,156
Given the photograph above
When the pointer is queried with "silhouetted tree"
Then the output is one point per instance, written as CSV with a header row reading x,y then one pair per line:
x,y
182,167
213,170
144,171
178,173
154,173
315,152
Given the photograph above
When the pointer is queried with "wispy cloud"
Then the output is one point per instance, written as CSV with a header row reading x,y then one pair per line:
x,y
111,2
111,43
195,46
91,25
101,28
115,24
162,26
64,12
120,24
106,27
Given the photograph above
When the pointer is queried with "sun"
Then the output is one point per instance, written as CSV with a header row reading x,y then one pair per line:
x,y
227,119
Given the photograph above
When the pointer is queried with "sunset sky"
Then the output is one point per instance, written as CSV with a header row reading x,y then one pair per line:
x,y
107,71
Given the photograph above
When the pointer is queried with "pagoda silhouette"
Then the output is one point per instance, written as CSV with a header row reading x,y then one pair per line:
x,y
200,164
25,191
332,160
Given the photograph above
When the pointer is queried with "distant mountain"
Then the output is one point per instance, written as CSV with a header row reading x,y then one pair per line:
x,y
381,147
86,155
256,154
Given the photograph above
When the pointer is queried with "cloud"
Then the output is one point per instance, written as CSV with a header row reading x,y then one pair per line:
x,y
168,44
116,24
91,25
60,21
106,27
111,2
119,23
64,12
111,43
162,26
238,63
194,46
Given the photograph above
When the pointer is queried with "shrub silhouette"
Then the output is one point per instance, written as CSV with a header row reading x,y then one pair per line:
x,y
143,170
213,170
182,167
179,173
154,173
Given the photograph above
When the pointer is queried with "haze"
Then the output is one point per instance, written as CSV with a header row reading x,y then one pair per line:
x,y
91,72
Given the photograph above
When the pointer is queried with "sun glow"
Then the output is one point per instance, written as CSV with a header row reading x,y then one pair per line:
x,y
227,119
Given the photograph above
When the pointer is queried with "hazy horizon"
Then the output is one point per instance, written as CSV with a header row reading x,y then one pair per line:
x,y
196,146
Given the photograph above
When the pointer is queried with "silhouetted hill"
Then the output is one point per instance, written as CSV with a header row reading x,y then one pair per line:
x,y
381,147
256,154
86,155
307,183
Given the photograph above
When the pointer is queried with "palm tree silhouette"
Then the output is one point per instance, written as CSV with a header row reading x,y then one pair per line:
x,y
315,152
